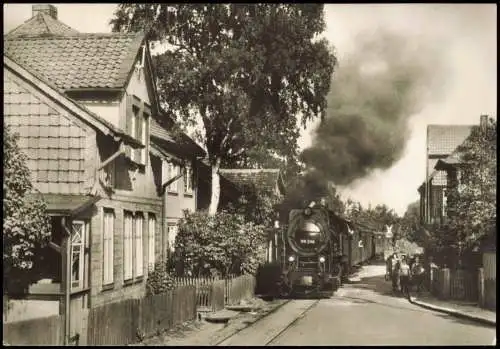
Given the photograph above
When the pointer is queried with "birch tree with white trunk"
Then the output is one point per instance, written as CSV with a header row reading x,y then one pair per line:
x,y
245,70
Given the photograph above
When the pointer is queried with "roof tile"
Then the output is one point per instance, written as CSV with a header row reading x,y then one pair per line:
x,y
77,61
264,178
43,153
443,139
42,176
42,24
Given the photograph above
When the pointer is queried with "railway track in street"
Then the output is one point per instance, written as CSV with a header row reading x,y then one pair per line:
x,y
267,329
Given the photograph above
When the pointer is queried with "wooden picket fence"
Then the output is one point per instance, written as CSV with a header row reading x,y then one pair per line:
x,y
463,285
125,322
214,293
122,323
118,323
237,289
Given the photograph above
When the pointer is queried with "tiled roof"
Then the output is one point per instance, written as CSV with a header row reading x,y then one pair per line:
x,y
49,88
63,203
42,24
443,139
78,61
160,132
266,179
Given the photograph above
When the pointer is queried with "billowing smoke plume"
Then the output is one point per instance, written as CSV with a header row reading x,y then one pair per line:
x,y
376,89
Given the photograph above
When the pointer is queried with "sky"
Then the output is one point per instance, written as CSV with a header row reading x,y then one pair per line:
x,y
466,33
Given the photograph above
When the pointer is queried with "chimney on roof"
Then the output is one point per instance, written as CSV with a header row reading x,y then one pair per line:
x,y
47,9
483,121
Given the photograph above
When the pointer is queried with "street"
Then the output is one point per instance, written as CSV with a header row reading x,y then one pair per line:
x,y
364,312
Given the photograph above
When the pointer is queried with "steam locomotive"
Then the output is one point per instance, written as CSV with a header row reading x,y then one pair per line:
x,y
313,254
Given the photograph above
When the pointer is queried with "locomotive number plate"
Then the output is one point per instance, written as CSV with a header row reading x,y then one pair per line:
x,y
307,280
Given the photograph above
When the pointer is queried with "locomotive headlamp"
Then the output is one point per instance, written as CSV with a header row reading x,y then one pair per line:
x,y
322,259
291,258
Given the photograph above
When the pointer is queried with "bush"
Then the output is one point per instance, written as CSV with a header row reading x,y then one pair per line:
x,y
26,226
159,279
222,243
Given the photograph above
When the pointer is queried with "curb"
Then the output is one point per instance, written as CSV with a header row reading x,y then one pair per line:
x,y
456,313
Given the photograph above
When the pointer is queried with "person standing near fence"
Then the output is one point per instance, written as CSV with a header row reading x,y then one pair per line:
x,y
404,276
395,271
417,274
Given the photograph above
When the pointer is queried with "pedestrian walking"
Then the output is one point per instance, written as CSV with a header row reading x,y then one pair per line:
x,y
395,271
417,274
404,276
388,268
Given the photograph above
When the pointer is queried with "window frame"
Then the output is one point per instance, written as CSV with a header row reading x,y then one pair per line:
x,y
151,240
108,251
128,263
188,181
138,128
173,171
80,283
144,135
139,244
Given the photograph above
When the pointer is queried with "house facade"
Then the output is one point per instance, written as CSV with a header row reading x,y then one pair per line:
x,y
114,178
442,140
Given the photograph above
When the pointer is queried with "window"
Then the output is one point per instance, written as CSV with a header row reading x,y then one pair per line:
x,y
77,254
134,121
137,126
188,180
107,248
443,213
151,240
127,246
172,233
139,257
173,171
145,120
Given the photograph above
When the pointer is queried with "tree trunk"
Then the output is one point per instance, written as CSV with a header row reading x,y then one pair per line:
x,y
215,192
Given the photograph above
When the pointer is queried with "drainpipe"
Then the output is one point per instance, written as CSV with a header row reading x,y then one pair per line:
x,y
164,210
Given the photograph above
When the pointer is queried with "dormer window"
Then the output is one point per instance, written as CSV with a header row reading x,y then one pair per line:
x,y
137,126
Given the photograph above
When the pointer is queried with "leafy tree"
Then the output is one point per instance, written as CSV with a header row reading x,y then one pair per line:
x,y
410,222
26,227
471,202
258,205
233,66
223,243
